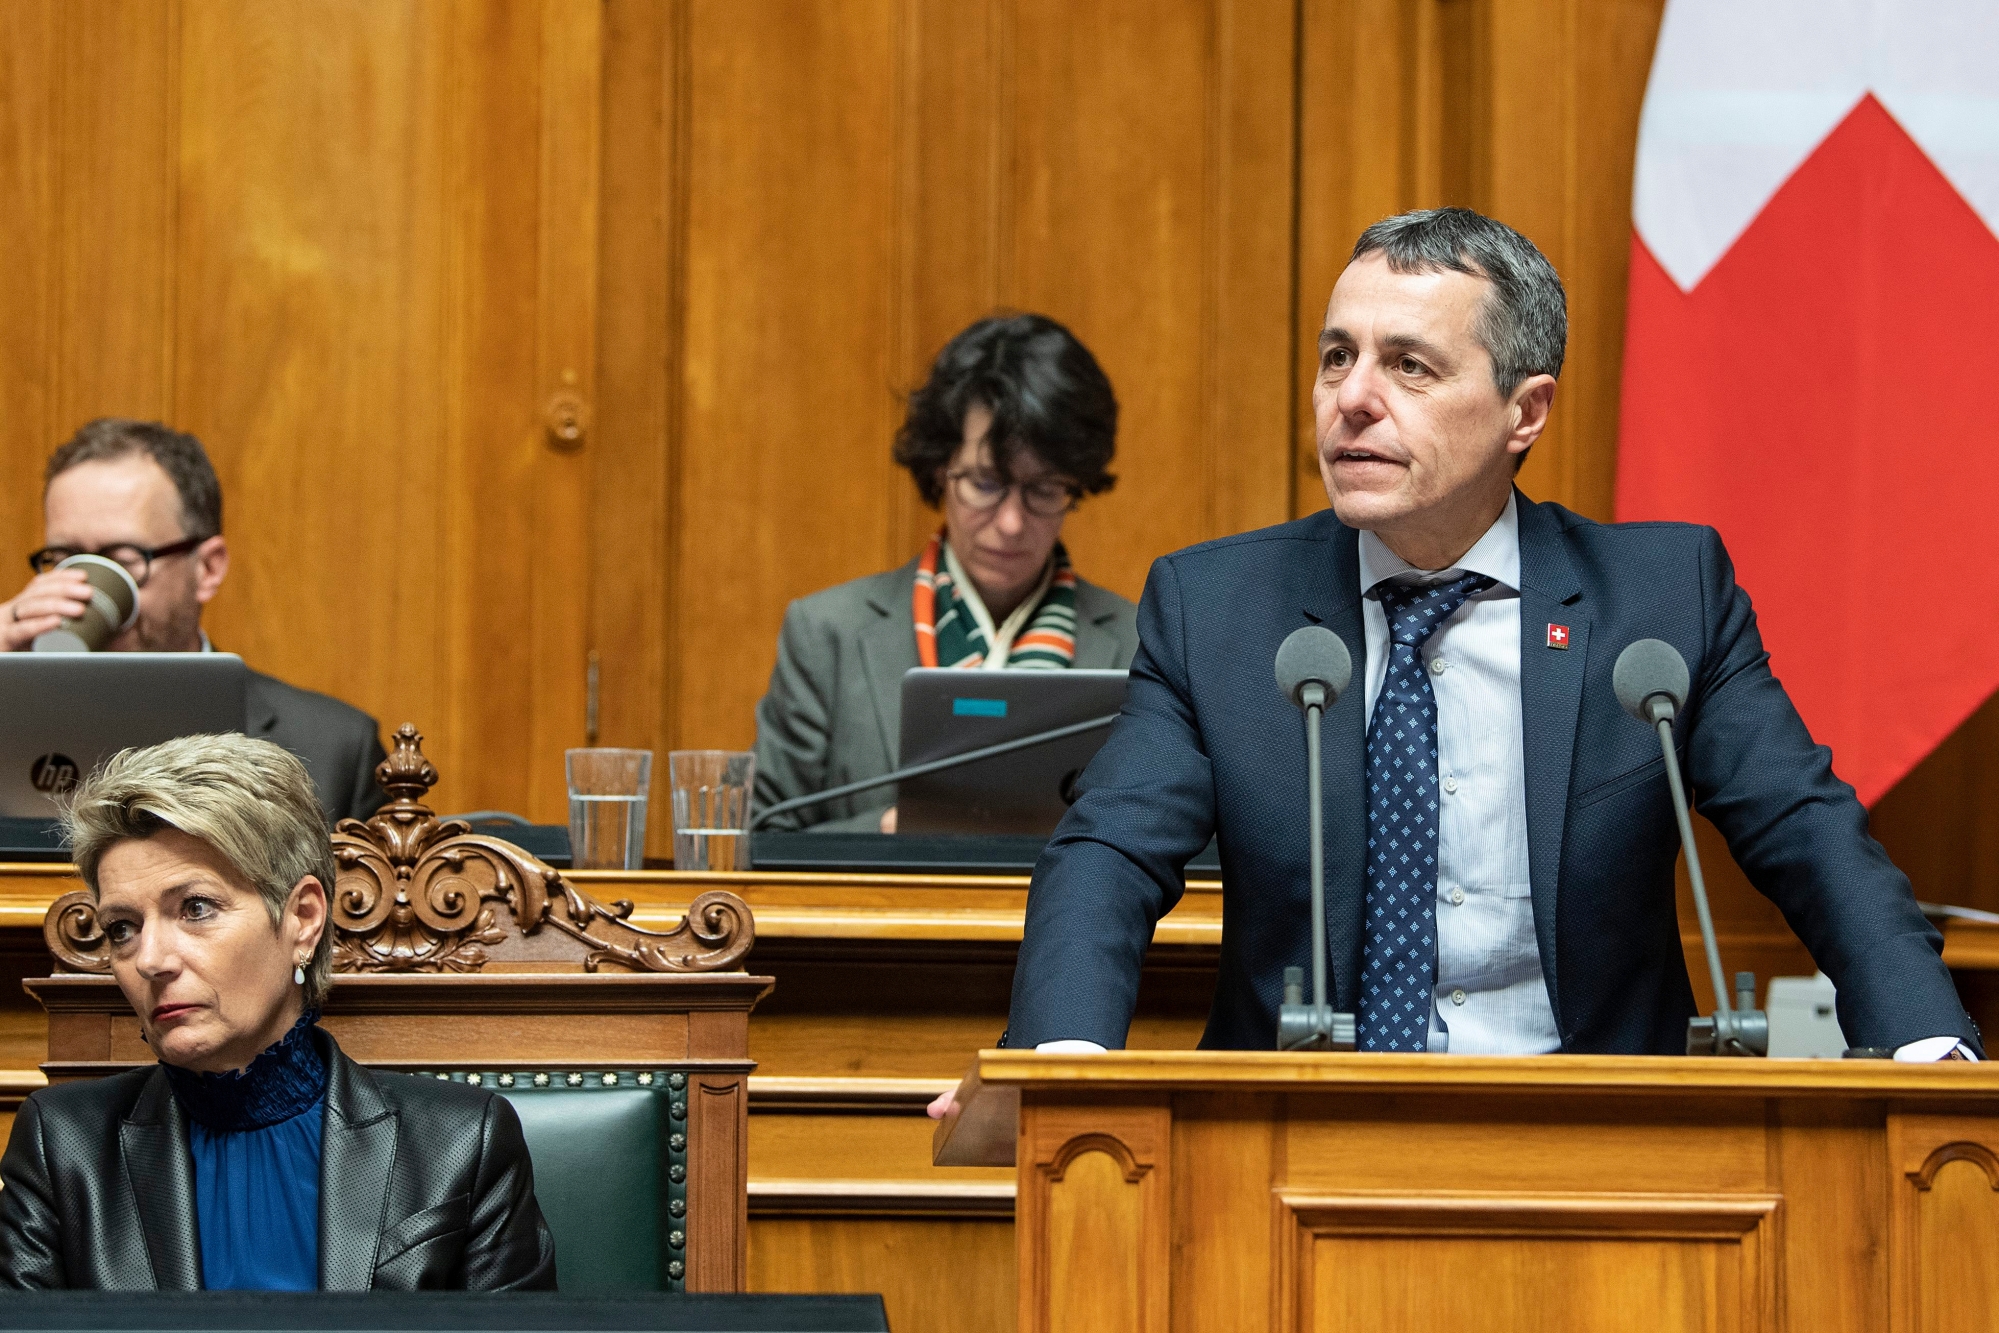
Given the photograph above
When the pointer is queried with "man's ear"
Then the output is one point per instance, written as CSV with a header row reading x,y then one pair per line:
x,y
1529,404
211,566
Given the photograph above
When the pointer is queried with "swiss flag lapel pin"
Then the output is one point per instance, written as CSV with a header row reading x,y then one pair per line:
x,y
1558,636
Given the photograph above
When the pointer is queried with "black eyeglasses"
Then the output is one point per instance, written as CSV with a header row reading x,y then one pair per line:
x,y
137,560
980,491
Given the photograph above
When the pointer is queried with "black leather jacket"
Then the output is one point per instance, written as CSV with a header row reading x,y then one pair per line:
x,y
423,1185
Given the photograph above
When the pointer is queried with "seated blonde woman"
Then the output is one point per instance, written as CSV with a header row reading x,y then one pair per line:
x,y
254,1155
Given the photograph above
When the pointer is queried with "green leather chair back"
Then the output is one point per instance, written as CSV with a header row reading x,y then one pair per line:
x,y
610,1172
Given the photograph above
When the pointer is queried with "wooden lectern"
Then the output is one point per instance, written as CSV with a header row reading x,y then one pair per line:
x,y
1197,1190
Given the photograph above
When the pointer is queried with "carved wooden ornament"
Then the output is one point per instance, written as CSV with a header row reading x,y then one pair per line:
x,y
414,893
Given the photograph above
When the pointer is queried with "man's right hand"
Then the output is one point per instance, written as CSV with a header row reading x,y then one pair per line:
x,y
47,601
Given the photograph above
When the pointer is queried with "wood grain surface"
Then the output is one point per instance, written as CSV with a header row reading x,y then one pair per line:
x,y
1361,1191
363,249
733,234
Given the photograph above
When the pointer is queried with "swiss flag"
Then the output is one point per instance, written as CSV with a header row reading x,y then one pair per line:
x,y
1812,358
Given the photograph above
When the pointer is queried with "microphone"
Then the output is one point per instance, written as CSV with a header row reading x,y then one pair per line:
x,y
1651,681
1313,668
933,766
1313,655
112,607
1652,684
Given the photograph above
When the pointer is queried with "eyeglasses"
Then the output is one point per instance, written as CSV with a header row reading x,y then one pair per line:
x,y
137,560
1044,498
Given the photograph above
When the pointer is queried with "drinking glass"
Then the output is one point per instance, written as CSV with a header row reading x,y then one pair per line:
x,y
711,808
607,808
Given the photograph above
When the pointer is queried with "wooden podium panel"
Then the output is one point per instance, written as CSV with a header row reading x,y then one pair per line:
x,y
1188,1190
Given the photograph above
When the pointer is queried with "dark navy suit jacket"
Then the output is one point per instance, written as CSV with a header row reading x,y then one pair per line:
x,y
1207,746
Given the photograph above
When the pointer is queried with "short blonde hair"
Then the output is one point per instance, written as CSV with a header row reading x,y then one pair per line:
x,y
250,800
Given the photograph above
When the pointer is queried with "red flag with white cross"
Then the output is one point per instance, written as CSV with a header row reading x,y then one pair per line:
x,y
1813,340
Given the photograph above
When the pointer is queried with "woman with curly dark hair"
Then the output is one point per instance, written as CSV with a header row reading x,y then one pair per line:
x,y
1015,425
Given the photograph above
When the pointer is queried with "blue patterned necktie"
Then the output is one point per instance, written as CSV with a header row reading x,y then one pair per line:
x,y
1399,957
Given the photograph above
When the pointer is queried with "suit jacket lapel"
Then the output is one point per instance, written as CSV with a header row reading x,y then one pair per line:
x,y
356,1161
1333,600
159,1171
888,649
1096,638
1096,648
260,710
1551,696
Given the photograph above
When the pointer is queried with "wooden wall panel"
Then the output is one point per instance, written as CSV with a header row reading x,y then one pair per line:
x,y
118,74
88,89
891,1256
309,327
515,512
351,246
1941,822
554,534
359,247
631,449
784,480
1166,192
28,178
953,194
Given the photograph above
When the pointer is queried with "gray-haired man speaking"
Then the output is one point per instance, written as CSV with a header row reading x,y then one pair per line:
x,y
1500,838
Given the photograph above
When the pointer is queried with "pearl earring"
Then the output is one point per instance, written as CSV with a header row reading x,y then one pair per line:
x,y
298,974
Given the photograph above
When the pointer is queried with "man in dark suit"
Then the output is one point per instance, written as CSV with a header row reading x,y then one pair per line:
x,y
1500,843
147,496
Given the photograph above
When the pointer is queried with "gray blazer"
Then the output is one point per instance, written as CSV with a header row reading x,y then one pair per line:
x,y
833,713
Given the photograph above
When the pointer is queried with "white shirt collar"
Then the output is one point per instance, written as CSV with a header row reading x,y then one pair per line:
x,y
1495,555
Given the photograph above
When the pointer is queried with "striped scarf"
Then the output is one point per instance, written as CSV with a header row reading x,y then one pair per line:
x,y
948,634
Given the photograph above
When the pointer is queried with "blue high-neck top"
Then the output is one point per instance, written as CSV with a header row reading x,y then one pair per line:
x,y
255,1137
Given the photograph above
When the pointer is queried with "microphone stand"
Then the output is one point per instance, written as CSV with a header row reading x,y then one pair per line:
x,y
1745,1029
1313,1027
933,766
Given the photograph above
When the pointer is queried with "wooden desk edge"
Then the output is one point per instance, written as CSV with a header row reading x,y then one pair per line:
x,y
787,906
834,906
1151,1071
67,1071
660,882
467,992
981,1127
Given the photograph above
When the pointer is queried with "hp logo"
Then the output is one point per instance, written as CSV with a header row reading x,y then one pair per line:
x,y
54,774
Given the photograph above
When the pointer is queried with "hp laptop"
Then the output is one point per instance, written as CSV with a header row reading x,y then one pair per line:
x,y
63,713
951,711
